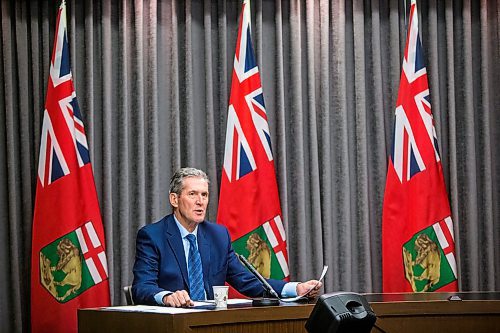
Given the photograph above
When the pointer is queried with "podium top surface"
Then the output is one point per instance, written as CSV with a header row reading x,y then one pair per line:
x,y
433,296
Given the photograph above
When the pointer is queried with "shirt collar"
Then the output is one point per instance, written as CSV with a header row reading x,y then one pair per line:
x,y
184,231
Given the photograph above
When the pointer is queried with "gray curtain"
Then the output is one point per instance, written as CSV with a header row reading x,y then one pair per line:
x,y
153,78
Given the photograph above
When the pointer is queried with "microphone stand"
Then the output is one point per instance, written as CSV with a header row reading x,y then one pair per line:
x,y
269,297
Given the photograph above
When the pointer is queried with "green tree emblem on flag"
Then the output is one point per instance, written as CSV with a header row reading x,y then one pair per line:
x,y
63,272
426,267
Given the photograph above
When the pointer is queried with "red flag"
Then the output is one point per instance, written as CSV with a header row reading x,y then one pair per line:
x,y
417,229
68,265
249,201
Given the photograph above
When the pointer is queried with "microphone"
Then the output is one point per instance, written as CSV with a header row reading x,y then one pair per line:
x,y
268,290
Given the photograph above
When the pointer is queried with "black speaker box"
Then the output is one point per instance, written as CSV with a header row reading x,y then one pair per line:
x,y
341,312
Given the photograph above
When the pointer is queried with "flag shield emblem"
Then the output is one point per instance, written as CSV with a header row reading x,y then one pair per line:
x,y
265,249
65,272
425,263
255,246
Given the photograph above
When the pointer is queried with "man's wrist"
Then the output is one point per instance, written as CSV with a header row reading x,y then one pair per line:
x,y
290,289
160,297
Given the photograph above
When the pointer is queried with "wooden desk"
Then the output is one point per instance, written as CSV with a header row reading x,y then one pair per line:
x,y
286,318
429,312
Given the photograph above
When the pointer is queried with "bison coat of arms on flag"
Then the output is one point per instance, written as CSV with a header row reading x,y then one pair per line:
x,y
428,258
67,265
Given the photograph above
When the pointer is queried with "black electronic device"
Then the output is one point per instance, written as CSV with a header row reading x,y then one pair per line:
x,y
267,298
341,312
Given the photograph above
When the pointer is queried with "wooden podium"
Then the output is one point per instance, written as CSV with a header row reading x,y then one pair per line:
x,y
425,312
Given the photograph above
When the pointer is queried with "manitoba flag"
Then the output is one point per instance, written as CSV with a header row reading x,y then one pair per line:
x,y
418,246
249,203
68,260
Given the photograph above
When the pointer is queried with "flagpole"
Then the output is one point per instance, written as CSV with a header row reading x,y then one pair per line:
x,y
406,9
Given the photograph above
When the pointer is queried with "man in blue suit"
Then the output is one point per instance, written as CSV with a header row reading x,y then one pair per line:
x,y
167,265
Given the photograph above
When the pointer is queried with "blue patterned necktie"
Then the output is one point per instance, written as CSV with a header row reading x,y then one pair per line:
x,y
195,271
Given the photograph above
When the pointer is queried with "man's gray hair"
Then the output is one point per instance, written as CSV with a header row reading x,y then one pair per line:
x,y
177,180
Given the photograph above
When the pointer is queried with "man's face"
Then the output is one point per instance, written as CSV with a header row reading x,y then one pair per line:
x,y
190,206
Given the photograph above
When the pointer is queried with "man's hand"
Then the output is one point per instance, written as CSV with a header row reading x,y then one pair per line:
x,y
304,287
178,299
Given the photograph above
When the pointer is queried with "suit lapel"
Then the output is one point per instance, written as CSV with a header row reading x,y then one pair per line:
x,y
204,248
175,241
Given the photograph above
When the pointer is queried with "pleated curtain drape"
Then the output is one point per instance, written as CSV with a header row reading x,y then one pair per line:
x,y
153,80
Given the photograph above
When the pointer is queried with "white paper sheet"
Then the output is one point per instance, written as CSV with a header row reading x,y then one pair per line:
x,y
198,306
151,309
295,299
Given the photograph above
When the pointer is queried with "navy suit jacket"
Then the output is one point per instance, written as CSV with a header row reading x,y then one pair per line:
x,y
160,262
